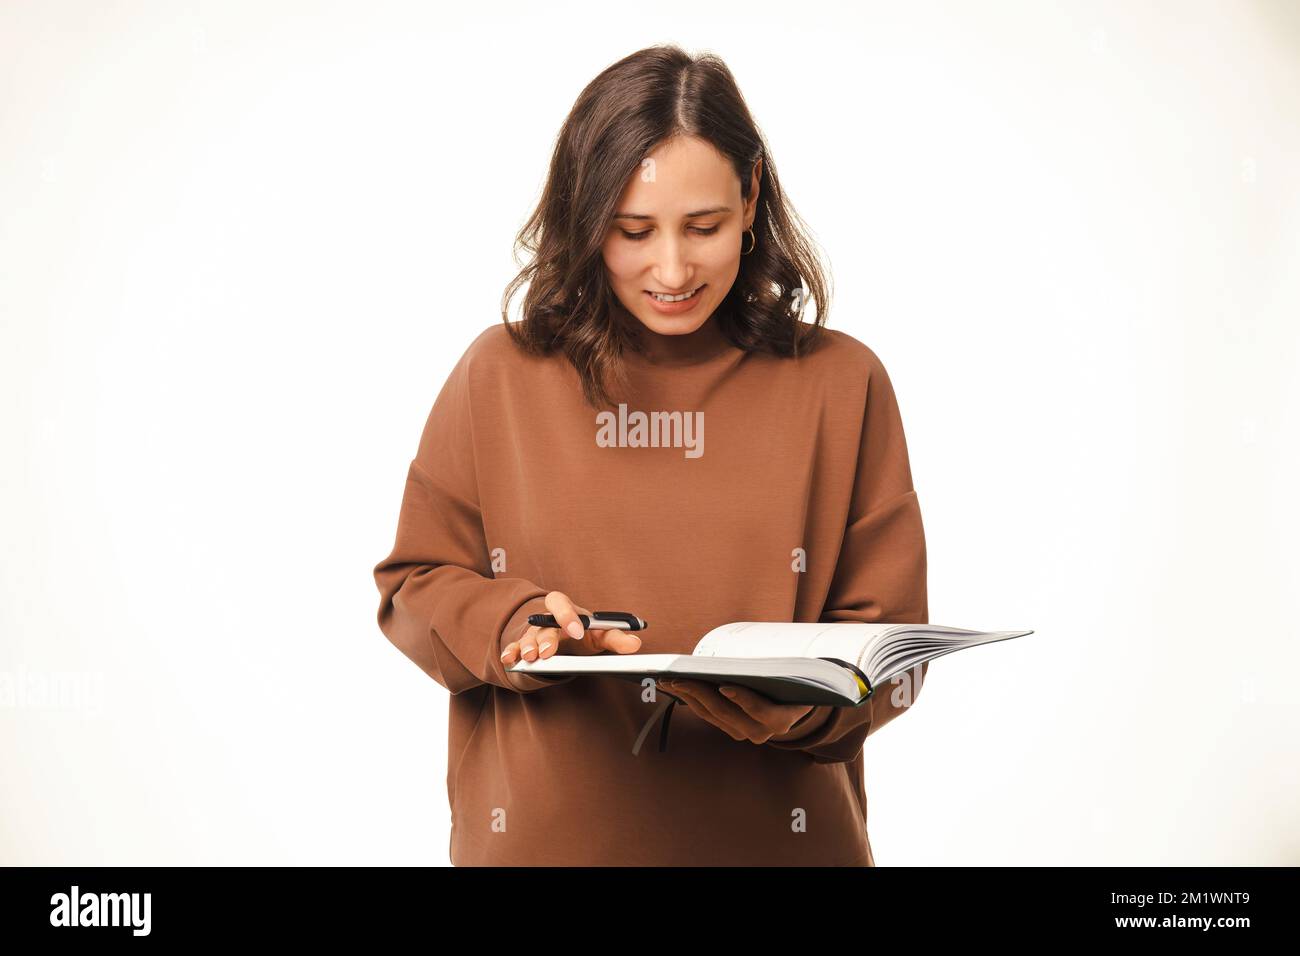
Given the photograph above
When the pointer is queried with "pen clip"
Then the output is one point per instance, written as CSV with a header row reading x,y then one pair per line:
x,y
633,622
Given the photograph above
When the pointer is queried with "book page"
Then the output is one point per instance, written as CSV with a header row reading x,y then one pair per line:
x,y
848,641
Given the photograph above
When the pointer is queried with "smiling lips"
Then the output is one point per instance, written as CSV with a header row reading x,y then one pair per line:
x,y
674,296
674,305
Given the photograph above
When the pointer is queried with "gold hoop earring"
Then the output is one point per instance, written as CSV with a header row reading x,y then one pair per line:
x,y
753,241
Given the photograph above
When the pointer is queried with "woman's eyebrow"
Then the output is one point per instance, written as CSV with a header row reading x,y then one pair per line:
x,y
690,215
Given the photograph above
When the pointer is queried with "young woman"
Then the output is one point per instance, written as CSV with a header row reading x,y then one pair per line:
x,y
663,434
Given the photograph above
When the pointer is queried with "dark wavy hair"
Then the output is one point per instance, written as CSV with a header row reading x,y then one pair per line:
x,y
634,105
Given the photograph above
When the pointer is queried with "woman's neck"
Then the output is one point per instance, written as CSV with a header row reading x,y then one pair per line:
x,y
686,348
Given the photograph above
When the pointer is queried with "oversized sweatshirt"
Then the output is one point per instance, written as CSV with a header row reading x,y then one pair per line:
x,y
766,488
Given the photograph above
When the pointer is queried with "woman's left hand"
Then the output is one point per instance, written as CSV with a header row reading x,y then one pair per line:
x,y
746,714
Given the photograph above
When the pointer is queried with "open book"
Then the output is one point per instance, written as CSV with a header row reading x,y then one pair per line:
x,y
794,663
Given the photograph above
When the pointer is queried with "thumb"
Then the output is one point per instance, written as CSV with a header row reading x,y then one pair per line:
x,y
617,640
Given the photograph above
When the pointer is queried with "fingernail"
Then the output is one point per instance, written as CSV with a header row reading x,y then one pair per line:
x,y
575,629
545,645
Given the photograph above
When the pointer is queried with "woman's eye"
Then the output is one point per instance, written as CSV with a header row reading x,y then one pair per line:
x,y
638,236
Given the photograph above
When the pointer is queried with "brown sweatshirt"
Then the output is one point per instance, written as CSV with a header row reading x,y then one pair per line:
x,y
781,491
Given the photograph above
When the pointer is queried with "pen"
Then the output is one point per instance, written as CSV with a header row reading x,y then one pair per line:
x,y
596,621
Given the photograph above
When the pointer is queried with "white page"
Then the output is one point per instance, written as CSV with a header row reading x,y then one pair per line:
x,y
846,640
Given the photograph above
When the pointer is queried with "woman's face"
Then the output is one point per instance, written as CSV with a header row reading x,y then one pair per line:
x,y
679,228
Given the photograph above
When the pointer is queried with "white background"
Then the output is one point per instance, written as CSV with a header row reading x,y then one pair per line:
x,y
242,244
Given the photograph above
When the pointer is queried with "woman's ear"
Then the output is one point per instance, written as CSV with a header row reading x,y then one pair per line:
x,y
753,192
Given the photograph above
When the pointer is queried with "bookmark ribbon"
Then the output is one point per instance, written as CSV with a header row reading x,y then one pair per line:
x,y
666,709
864,684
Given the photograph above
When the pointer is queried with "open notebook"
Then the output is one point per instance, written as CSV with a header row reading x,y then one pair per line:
x,y
794,663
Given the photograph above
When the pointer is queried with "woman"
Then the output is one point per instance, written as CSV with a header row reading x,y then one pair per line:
x,y
522,499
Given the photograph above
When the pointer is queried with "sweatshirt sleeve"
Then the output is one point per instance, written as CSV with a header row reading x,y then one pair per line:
x,y
439,601
880,576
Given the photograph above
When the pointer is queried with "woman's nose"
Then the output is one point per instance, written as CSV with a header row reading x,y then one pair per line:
x,y
671,269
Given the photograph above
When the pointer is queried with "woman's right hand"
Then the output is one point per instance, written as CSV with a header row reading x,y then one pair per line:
x,y
538,643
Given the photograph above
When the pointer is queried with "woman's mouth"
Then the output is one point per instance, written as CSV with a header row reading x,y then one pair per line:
x,y
674,304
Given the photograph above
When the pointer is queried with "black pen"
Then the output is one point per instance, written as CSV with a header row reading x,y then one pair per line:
x,y
596,621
